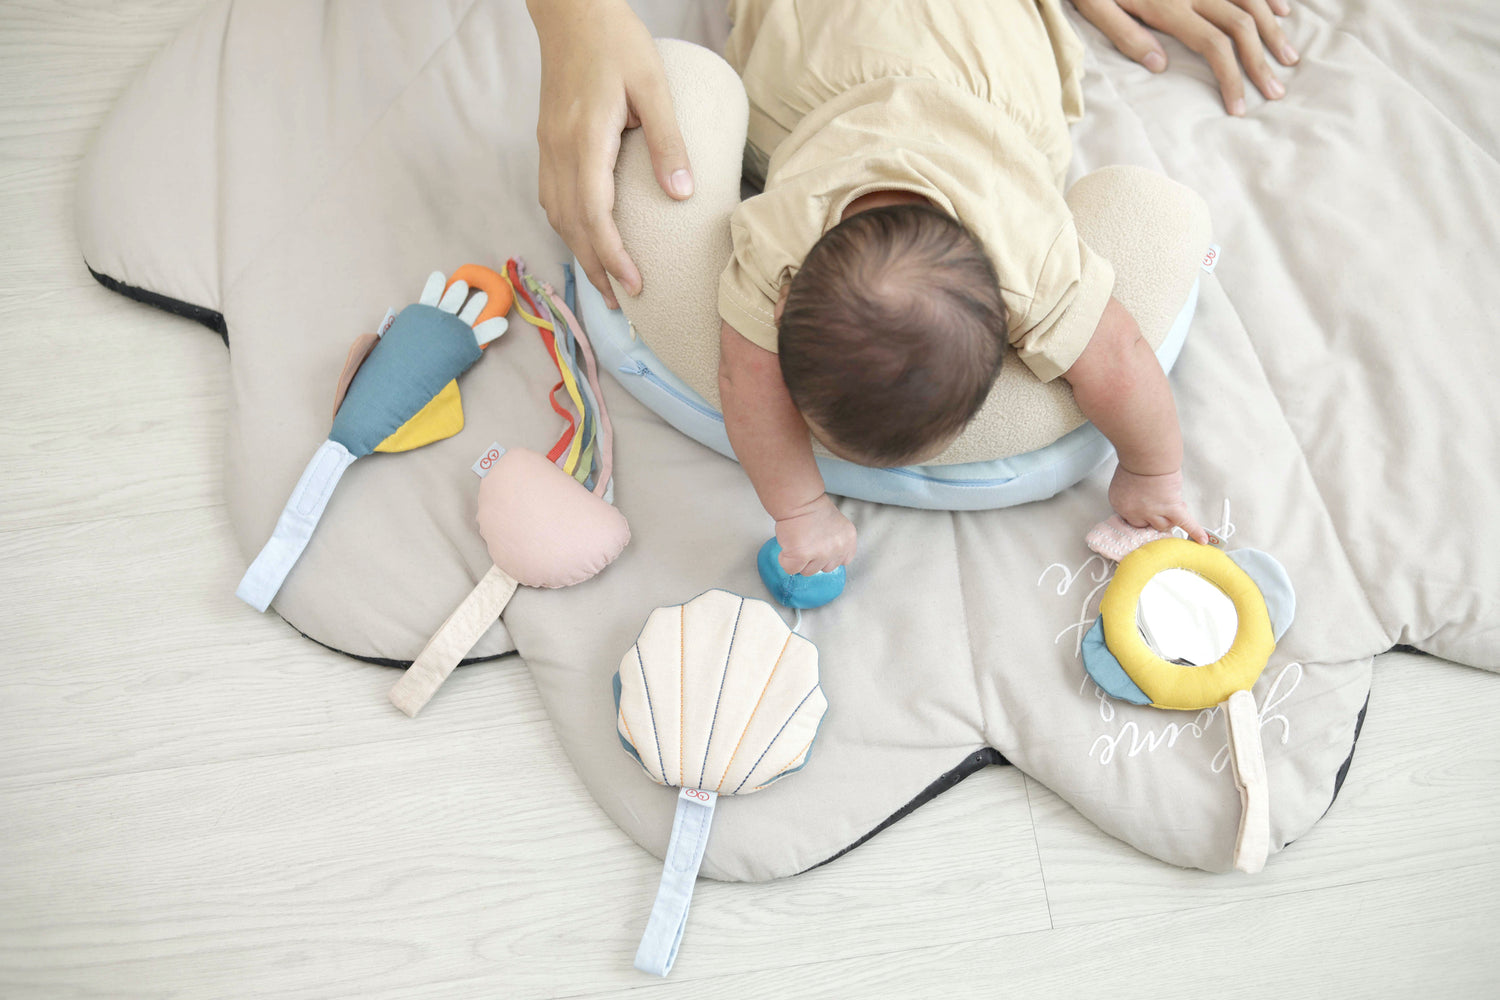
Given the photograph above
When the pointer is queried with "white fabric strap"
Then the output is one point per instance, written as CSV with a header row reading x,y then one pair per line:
x,y
658,950
295,526
1253,843
453,639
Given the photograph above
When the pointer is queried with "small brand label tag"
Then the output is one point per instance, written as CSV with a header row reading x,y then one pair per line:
x,y
487,460
1211,258
385,324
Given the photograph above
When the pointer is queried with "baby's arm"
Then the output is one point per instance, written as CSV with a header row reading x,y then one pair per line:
x,y
1121,388
770,439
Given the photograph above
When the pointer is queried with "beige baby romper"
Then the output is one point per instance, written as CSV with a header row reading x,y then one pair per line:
x,y
964,102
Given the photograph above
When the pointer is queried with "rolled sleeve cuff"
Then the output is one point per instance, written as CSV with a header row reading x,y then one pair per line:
x,y
745,309
1056,352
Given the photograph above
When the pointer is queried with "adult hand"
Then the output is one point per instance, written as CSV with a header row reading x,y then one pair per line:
x,y
601,74
1226,33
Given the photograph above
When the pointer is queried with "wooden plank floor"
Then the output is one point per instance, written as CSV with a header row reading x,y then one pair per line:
x,y
197,803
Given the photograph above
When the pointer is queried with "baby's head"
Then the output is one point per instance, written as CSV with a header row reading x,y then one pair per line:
x,y
891,334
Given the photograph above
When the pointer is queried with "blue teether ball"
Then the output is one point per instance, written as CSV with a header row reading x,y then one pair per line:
x,y
796,591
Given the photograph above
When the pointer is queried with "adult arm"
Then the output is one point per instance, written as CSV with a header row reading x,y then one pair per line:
x,y
601,74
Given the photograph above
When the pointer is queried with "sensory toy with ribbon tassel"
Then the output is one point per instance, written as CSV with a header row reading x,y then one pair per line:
x,y
398,391
1166,637
547,521
716,697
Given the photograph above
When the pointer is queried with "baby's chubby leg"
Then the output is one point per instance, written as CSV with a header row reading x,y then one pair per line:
x,y
681,247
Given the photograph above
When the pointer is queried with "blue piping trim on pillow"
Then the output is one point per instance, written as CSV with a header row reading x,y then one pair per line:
x,y
1035,475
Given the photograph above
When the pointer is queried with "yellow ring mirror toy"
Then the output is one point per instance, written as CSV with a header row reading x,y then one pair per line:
x,y
1119,654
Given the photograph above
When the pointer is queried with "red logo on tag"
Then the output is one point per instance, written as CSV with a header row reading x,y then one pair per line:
x,y
487,460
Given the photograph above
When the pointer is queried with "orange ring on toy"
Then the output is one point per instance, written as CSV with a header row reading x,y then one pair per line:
x,y
491,284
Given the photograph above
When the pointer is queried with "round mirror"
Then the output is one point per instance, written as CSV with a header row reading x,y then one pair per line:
x,y
1185,619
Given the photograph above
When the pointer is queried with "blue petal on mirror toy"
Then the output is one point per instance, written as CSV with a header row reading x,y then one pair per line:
x,y
1187,626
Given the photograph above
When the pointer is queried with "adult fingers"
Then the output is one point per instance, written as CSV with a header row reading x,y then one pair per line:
x,y
1241,27
1206,39
651,102
1270,29
594,271
1125,32
596,186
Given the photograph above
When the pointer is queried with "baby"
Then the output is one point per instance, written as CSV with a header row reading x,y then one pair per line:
x,y
911,225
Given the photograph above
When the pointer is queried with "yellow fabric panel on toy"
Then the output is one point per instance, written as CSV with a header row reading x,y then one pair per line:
x,y
442,417
1171,685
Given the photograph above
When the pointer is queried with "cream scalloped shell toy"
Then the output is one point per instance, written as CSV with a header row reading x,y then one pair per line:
x,y
715,697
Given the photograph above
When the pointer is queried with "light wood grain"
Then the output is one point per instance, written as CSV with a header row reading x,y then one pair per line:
x,y
197,803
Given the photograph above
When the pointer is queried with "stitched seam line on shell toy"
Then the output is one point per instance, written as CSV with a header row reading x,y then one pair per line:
x,y
651,713
774,667
226,284
795,757
708,745
771,744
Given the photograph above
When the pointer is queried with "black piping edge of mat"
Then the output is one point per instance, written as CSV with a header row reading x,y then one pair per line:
x,y
198,314
381,661
976,761
1338,781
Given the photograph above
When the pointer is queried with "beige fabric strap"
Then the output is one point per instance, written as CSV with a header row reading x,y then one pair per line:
x,y
453,639
1253,842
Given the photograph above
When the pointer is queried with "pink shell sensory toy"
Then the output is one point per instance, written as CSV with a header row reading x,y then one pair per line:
x,y
542,526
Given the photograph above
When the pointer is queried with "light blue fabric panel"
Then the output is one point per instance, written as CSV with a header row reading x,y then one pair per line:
x,y
424,350
1106,670
1275,586
1036,475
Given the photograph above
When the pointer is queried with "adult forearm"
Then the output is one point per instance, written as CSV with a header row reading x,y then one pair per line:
x,y
546,14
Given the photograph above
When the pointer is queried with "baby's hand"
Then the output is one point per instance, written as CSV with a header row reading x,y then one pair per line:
x,y
1153,502
816,539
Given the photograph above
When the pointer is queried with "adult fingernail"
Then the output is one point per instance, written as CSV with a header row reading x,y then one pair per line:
x,y
1155,62
682,183
1289,54
1237,106
1275,87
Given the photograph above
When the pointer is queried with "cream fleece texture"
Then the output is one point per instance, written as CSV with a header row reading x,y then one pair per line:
x,y
1154,231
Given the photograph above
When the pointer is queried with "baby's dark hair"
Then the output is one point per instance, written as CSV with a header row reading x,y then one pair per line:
x,y
893,332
